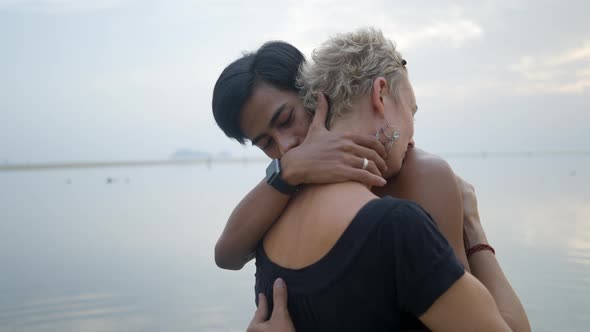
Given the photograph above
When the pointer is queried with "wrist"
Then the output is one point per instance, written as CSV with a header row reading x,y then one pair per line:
x,y
274,177
289,171
479,248
475,236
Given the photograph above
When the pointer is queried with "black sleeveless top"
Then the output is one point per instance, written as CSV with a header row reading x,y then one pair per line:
x,y
390,264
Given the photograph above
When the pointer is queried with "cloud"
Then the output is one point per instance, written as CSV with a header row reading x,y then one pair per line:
x,y
531,69
572,55
59,6
456,30
576,87
554,73
466,89
307,24
585,72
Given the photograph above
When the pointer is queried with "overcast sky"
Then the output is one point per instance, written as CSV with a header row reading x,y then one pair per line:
x,y
84,80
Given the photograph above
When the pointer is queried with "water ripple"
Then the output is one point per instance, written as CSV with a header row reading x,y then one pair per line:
x,y
64,308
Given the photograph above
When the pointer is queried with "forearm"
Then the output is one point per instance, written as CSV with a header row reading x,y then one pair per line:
x,y
486,269
247,225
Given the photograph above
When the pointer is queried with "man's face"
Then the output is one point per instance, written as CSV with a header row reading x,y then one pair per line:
x,y
274,120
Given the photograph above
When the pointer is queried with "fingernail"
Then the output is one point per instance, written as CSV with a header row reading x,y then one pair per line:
x,y
279,283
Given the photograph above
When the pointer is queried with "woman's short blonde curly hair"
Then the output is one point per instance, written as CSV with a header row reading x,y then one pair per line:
x,y
345,67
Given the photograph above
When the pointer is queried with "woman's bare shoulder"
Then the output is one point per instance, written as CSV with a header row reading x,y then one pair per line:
x,y
423,165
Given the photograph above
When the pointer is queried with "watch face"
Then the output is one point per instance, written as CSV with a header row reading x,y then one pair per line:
x,y
272,170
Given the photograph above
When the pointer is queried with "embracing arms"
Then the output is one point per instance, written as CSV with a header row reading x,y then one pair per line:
x,y
323,157
484,301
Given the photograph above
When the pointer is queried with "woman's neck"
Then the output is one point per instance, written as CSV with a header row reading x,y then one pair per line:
x,y
359,120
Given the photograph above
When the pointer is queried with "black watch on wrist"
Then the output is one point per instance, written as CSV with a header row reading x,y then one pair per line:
x,y
273,178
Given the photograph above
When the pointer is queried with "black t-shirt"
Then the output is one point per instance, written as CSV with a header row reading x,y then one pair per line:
x,y
390,263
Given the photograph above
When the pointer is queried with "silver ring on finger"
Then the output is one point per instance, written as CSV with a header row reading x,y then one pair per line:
x,y
365,163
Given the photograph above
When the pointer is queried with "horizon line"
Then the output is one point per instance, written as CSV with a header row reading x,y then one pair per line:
x,y
7,167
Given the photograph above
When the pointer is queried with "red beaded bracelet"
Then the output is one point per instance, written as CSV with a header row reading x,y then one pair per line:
x,y
479,247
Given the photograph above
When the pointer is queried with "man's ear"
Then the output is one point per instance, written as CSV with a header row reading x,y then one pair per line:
x,y
377,93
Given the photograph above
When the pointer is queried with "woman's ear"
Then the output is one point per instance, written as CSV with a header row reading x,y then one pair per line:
x,y
377,93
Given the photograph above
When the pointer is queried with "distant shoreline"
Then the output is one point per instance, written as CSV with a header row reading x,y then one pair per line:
x,y
244,160
131,163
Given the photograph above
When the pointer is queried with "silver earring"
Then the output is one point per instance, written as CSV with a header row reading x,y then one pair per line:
x,y
390,134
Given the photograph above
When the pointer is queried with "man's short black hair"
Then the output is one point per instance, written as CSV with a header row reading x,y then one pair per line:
x,y
275,63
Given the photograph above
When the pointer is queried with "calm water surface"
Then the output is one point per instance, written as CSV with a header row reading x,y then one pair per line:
x,y
131,249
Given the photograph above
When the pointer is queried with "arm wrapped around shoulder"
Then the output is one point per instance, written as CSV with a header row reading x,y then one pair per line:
x,y
424,263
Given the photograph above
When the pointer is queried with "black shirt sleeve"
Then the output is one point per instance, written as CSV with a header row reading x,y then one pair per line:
x,y
424,264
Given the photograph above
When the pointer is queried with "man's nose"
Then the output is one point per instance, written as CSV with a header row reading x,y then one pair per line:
x,y
411,143
287,144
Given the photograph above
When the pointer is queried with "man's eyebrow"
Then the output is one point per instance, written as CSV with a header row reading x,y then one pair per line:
x,y
271,123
